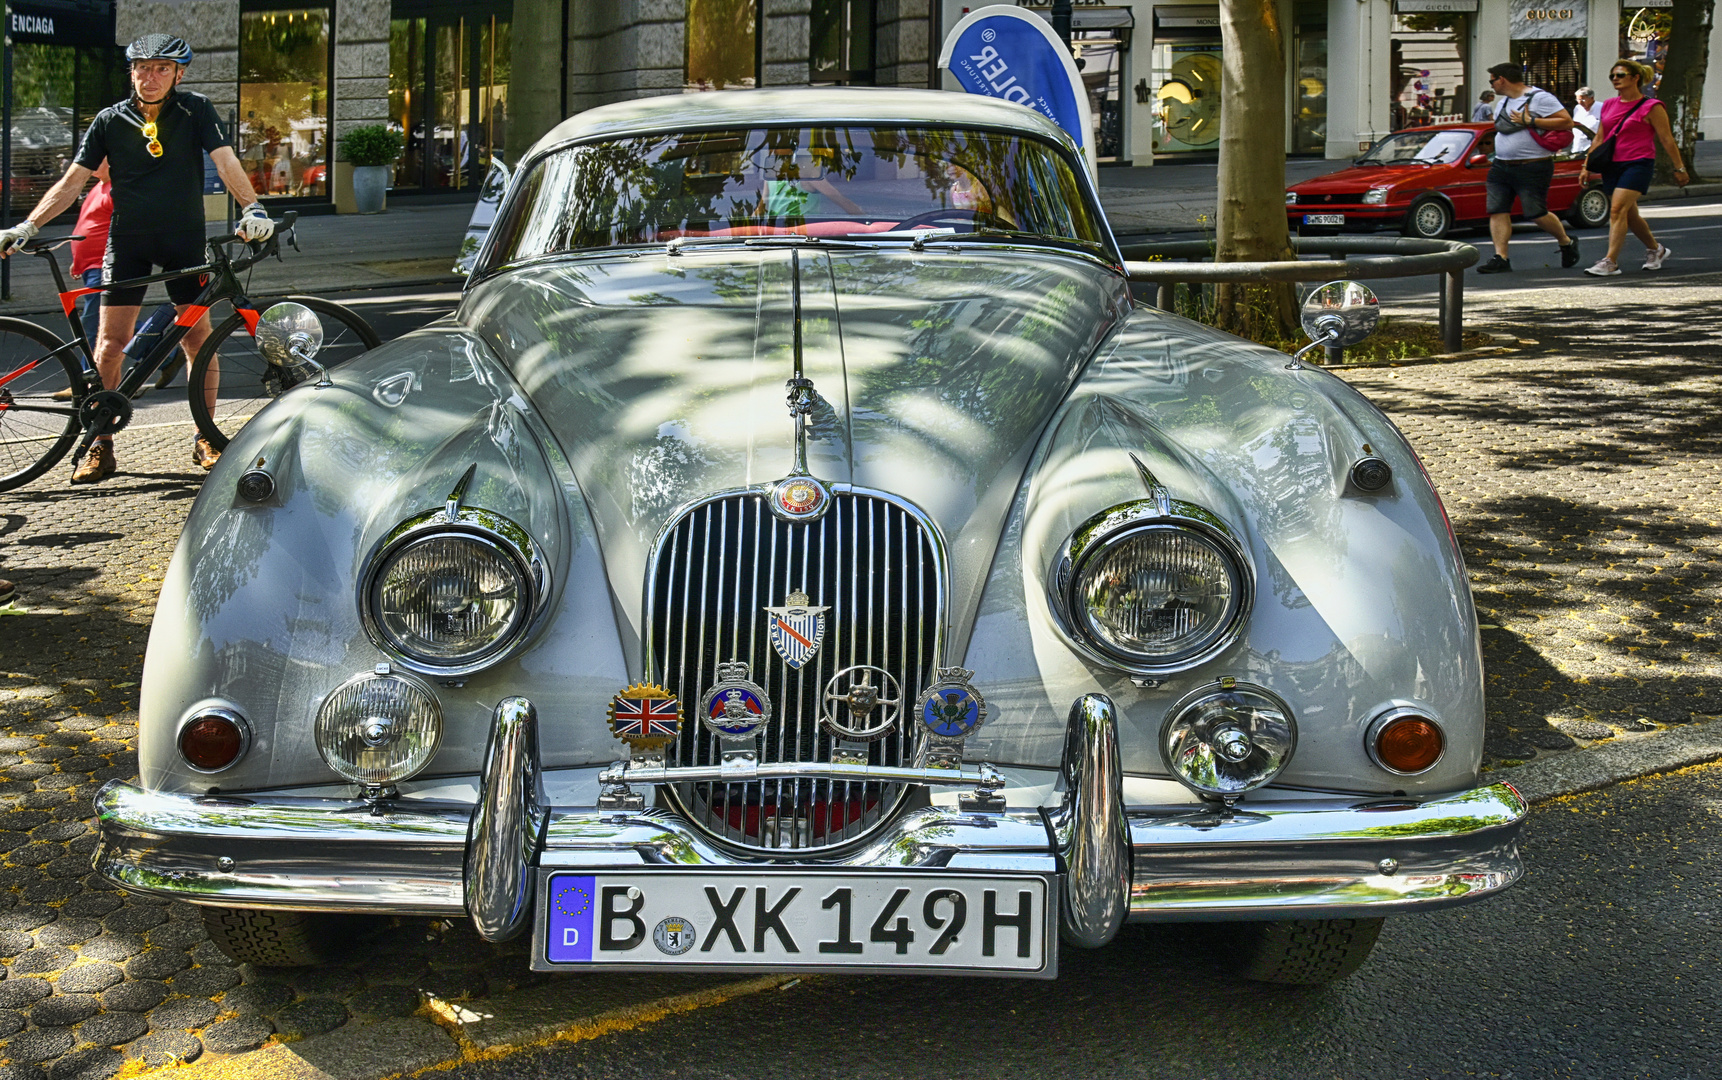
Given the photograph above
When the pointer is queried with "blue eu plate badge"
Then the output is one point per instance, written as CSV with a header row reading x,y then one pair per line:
x,y
569,930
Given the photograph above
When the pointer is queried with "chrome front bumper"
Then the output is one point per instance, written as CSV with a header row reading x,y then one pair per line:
x,y
1319,858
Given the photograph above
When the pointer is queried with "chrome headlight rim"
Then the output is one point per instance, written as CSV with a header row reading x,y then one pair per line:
x,y
1401,710
1213,689
224,711
408,678
491,529
1117,524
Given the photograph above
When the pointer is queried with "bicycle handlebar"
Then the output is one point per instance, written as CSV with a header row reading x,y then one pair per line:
x,y
262,249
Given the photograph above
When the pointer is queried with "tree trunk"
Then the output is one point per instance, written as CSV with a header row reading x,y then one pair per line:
x,y
1251,223
1682,85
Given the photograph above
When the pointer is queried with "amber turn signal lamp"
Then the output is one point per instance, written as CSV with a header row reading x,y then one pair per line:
x,y
1409,744
212,741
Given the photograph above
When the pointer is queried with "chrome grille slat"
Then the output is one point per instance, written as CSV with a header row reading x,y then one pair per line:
x,y
878,566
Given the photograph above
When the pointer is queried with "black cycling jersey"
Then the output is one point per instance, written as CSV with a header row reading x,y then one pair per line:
x,y
155,194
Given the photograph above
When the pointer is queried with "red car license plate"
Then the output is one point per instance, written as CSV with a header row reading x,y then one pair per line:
x,y
1324,219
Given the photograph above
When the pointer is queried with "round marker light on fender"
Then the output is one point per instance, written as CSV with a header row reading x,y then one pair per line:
x,y
213,739
1406,742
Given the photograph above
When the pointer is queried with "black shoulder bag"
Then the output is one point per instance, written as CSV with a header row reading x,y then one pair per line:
x,y
1601,155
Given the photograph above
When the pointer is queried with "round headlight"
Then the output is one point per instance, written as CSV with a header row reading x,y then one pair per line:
x,y
450,600
1157,595
379,729
1222,742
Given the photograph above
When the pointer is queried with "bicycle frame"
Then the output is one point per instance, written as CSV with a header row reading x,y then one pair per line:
x,y
222,285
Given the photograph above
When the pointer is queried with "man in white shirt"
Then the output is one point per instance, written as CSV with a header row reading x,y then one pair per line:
x,y
1523,167
1584,117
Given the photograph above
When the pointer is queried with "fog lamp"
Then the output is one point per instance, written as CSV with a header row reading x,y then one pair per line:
x,y
1406,742
213,739
379,728
1223,741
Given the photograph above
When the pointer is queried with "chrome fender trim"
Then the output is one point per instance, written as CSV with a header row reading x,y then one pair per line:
x,y
1089,828
507,822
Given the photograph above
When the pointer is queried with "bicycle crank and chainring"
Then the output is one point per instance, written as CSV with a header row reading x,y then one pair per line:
x,y
105,412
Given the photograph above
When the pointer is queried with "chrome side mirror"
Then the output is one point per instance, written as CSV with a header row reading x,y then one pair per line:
x,y
289,335
1338,314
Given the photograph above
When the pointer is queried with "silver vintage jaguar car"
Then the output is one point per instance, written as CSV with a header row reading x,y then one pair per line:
x,y
796,553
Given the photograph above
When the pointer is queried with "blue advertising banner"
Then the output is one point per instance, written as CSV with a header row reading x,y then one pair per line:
x,y
1005,52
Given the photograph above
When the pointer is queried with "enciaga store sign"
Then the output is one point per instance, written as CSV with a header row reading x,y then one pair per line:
x,y
60,22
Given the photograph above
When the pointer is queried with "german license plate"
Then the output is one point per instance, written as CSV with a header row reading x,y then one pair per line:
x,y
1000,924
1324,219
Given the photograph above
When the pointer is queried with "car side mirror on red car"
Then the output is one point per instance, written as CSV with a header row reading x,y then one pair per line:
x,y
1476,159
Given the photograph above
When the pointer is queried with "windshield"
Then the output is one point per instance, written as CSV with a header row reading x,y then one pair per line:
x,y
861,182
1419,148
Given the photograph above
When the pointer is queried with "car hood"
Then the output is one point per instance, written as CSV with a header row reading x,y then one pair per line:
x,y
1361,179
663,378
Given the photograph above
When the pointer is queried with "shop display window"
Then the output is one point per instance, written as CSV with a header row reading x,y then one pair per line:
x,y
1556,65
56,91
282,137
722,44
1186,78
448,97
1431,53
1308,98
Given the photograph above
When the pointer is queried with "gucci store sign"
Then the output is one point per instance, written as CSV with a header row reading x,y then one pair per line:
x,y
1541,20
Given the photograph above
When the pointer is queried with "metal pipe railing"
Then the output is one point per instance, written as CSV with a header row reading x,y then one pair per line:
x,y
1392,256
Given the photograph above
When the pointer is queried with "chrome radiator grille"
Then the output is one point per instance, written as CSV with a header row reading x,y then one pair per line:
x,y
876,566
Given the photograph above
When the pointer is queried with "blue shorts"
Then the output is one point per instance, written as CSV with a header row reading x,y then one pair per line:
x,y
1632,175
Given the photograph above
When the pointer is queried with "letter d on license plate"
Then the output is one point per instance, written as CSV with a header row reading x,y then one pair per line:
x,y
1001,924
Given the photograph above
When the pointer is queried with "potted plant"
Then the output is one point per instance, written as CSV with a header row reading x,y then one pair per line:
x,y
371,151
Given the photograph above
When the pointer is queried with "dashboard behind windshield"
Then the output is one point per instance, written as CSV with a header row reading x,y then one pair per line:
x,y
1419,148
842,182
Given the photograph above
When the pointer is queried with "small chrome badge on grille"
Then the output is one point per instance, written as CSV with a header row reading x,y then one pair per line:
x,y
951,708
861,704
796,629
735,707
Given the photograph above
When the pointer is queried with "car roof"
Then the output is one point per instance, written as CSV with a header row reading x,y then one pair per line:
x,y
799,105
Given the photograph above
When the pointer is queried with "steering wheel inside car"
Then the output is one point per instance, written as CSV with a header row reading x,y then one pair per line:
x,y
974,218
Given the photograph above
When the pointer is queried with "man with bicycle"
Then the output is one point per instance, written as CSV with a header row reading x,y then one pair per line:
x,y
154,143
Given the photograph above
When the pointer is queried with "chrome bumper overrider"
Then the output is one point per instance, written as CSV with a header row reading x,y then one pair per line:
x,y
1322,857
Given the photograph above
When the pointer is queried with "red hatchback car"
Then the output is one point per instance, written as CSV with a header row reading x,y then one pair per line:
x,y
1426,182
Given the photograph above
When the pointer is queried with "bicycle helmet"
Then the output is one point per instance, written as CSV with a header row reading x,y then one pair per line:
x,y
159,47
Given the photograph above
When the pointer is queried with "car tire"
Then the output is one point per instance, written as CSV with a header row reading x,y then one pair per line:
x,y
1428,219
1305,952
278,938
1590,209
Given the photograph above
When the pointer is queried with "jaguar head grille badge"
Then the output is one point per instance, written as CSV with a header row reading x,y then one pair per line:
x,y
798,496
862,704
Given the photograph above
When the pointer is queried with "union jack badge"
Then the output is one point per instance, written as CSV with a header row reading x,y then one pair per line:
x,y
796,629
735,707
646,717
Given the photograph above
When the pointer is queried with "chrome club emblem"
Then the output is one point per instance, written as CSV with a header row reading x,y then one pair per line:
x,y
862,703
735,707
951,708
796,629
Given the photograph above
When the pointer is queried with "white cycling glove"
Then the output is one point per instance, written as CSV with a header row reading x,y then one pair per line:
x,y
254,224
19,234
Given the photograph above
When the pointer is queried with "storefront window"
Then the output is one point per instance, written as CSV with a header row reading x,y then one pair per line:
x,y
282,136
1431,53
1100,55
1309,78
840,42
1184,76
448,96
1557,66
56,90
722,44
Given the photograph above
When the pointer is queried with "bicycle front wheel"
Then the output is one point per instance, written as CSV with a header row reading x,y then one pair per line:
x,y
36,430
230,379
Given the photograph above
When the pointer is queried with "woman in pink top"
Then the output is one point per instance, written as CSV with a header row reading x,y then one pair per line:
x,y
1637,124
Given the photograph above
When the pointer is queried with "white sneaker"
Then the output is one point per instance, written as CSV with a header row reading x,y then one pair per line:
x,y
1605,267
1653,261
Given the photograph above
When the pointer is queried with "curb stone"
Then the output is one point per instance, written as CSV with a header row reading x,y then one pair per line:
x,y
517,1020
1625,757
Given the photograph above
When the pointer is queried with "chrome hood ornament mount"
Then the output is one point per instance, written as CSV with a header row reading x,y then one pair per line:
x,y
799,496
